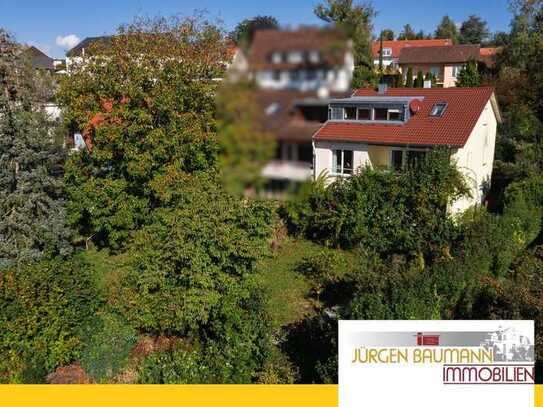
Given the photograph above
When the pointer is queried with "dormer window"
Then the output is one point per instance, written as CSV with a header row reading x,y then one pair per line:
x,y
387,52
295,57
349,113
277,57
438,109
314,57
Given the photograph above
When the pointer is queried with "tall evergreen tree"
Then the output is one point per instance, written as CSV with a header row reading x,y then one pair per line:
x,y
32,215
447,29
419,81
408,33
473,31
409,80
469,76
387,34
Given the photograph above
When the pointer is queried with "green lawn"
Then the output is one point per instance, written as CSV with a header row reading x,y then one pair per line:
x,y
286,289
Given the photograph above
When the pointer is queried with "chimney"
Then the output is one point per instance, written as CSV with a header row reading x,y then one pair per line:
x,y
428,84
382,88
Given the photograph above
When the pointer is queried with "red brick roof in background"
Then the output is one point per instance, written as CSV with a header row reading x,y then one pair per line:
x,y
464,107
433,55
489,55
397,46
331,43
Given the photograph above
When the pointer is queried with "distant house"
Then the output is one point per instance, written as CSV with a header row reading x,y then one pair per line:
x,y
391,128
38,59
445,62
391,49
292,117
77,53
307,59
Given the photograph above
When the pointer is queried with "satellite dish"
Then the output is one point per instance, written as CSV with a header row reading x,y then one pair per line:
x,y
415,105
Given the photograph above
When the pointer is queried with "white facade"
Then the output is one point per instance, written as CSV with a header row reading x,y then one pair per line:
x,y
337,79
474,160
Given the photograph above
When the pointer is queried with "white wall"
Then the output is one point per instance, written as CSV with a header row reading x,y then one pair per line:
x,y
476,158
323,156
337,80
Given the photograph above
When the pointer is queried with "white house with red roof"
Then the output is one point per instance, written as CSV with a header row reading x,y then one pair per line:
x,y
392,49
390,128
307,59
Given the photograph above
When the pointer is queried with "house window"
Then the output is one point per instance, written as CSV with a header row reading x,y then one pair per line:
x,y
311,74
380,114
456,70
314,57
387,52
305,153
342,162
336,113
294,75
438,109
276,75
394,114
277,57
364,114
415,157
435,71
349,113
295,57
396,159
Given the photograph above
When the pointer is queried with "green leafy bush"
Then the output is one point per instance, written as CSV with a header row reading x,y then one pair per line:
x,y
107,345
193,257
233,348
385,211
44,308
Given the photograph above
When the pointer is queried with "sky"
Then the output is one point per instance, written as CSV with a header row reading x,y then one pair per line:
x,y
55,26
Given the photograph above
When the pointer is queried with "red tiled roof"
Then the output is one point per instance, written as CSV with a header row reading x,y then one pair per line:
x,y
397,46
331,44
432,55
489,55
464,106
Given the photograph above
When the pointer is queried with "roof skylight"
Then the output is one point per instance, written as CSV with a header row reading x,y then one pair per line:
x,y
438,109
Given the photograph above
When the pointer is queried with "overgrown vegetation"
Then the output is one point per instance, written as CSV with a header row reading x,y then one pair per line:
x,y
172,276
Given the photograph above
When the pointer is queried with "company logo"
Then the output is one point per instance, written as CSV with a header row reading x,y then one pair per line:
x,y
432,356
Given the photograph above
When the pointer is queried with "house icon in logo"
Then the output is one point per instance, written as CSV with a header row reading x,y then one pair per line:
x,y
427,340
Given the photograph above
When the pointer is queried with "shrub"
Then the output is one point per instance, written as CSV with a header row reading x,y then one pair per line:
x,y
107,345
44,307
233,348
192,258
385,211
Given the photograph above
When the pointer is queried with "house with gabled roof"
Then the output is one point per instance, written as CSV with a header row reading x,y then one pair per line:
x,y
391,128
391,49
306,59
443,62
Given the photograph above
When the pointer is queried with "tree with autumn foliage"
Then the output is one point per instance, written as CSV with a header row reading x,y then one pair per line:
x,y
144,101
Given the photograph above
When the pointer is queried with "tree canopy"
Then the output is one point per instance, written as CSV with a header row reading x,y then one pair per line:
x,y
473,31
32,212
447,29
244,31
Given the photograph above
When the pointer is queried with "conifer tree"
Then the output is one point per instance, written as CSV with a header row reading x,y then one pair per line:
x,y
32,216
469,76
409,79
419,81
